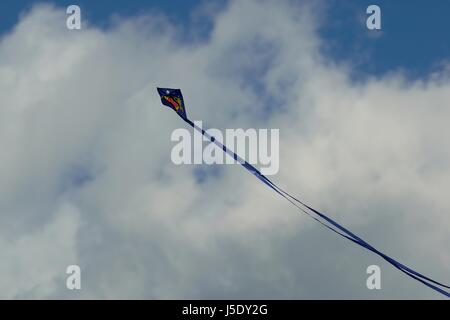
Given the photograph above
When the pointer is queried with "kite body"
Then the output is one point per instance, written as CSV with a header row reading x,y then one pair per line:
x,y
174,100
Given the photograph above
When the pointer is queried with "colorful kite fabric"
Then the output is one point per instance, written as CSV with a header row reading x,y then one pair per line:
x,y
174,100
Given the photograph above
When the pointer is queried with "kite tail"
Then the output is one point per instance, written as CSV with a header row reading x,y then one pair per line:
x,y
435,285
323,219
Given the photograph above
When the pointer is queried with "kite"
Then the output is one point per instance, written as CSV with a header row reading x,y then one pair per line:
x,y
174,100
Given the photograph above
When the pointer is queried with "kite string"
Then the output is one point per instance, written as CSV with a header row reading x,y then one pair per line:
x,y
351,236
367,245
343,231
258,174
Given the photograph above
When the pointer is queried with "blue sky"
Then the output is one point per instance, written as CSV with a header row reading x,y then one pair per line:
x,y
414,35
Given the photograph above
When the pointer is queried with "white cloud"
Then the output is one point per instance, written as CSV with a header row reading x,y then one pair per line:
x,y
81,124
34,264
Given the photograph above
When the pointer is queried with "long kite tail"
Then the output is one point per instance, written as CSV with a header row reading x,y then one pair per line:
x,y
323,219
